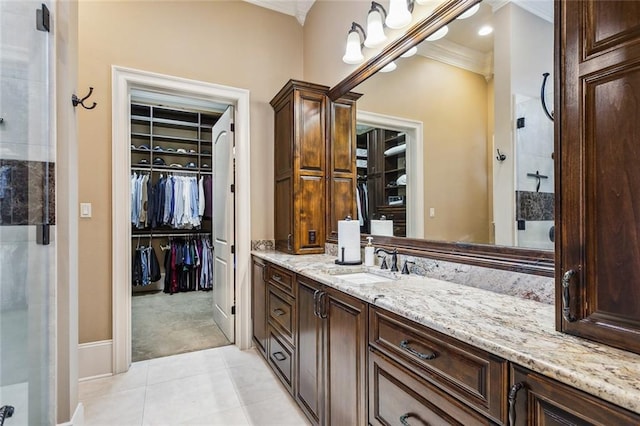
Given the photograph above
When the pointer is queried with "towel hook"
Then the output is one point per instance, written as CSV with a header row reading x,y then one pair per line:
x,y
501,157
75,100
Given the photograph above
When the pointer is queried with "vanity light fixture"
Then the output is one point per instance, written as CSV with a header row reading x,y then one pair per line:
x,y
353,52
399,13
469,12
375,26
389,67
409,53
438,34
485,30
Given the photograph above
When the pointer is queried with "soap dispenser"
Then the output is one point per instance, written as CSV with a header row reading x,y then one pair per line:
x,y
369,259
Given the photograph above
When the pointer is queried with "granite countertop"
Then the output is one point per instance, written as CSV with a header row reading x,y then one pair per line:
x,y
518,330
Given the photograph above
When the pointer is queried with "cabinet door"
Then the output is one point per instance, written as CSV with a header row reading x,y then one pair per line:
x,y
598,178
535,400
309,350
258,302
345,346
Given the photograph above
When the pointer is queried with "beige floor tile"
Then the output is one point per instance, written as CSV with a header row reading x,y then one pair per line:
x,y
255,382
121,408
183,365
279,411
136,377
182,400
233,417
235,357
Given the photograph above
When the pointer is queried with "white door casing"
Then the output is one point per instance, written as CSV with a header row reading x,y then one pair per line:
x,y
124,80
223,226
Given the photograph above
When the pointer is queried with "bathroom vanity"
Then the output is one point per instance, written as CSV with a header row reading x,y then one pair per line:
x,y
381,348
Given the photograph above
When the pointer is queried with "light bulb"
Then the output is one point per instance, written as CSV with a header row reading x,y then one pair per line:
x,y
389,67
469,12
410,52
438,34
399,15
353,52
375,31
486,30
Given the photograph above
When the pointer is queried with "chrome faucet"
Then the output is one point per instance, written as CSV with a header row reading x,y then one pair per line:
x,y
394,259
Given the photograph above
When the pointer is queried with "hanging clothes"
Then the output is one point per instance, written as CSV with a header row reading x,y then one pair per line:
x,y
188,265
146,268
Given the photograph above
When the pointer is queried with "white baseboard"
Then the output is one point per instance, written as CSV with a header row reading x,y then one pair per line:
x,y
95,359
78,417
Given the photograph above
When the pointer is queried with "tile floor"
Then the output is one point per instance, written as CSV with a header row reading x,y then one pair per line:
x,y
220,386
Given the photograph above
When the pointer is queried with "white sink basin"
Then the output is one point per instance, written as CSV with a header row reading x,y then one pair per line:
x,y
363,278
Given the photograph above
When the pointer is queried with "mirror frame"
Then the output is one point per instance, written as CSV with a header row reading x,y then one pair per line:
x,y
529,261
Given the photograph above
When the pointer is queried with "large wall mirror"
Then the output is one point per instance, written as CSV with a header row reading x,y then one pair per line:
x,y
455,147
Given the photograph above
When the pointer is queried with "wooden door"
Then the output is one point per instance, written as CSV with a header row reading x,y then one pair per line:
x,y
258,301
598,142
535,400
345,346
309,354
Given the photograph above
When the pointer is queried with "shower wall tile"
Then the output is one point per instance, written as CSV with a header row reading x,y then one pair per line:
x,y
25,197
536,235
531,205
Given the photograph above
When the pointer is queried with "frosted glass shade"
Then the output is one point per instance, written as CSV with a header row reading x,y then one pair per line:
x,y
399,15
353,52
375,31
469,12
389,67
409,53
438,34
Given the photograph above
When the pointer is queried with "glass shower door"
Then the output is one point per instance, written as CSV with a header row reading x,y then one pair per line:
x,y
27,213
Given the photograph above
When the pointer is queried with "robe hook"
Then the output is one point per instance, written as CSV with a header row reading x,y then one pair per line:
x,y
77,101
501,157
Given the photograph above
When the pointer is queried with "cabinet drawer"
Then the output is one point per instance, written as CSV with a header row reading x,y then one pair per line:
x,y
474,376
281,278
281,359
280,311
398,396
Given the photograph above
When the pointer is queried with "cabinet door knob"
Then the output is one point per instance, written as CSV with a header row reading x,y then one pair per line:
x,y
512,402
566,296
405,345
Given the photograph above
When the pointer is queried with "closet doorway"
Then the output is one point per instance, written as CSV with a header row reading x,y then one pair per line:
x,y
389,163
181,94
181,171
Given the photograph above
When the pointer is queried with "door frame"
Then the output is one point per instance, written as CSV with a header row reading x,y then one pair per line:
x,y
415,162
124,80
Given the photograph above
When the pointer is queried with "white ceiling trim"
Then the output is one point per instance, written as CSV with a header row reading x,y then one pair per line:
x,y
459,56
297,8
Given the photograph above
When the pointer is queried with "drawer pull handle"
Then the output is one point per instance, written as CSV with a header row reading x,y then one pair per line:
x,y
404,422
279,312
279,356
566,296
277,277
316,300
512,402
405,345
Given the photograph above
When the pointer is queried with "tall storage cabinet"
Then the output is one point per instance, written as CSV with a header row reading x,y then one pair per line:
x,y
300,167
597,157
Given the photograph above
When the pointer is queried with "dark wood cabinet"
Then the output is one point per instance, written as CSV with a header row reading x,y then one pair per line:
x,y
331,353
535,400
598,178
300,167
341,151
470,378
258,305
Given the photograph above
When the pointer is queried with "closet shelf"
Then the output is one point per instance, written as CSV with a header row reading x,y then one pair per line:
x,y
176,139
402,169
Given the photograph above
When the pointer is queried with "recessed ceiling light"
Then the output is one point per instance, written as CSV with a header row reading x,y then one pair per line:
x,y
486,30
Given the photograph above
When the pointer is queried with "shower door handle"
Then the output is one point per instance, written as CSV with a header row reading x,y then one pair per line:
x,y
6,411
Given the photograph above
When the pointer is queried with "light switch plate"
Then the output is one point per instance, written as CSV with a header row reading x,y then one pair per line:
x,y
85,209
432,212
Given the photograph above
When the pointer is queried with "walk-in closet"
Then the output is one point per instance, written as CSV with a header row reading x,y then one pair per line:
x,y
172,247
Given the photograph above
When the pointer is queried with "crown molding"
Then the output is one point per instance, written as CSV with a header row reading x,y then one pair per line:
x,y
296,8
457,55
542,9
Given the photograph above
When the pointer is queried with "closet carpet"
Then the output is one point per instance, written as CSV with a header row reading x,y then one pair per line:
x,y
164,324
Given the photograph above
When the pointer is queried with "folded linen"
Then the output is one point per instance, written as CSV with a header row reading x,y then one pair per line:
x,y
396,150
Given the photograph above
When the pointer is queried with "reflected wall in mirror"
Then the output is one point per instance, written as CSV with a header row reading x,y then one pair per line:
x,y
472,95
